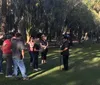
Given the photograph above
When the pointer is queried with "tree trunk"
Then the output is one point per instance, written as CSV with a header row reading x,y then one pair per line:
x,y
4,11
79,34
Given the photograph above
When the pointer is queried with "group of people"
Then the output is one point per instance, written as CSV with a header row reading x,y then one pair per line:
x,y
37,46
12,50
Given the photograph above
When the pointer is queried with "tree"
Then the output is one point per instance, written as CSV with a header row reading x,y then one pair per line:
x,y
53,16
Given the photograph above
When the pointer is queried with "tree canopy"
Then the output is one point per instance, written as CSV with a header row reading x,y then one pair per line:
x,y
52,17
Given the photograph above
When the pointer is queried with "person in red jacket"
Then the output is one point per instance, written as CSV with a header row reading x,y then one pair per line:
x,y
7,55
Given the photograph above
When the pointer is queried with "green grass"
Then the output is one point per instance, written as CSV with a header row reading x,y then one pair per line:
x,y
84,68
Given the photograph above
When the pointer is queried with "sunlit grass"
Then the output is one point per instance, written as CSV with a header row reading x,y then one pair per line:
x,y
47,72
84,68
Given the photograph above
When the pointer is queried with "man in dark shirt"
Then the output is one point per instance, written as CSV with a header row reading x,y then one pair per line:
x,y
18,56
36,49
65,52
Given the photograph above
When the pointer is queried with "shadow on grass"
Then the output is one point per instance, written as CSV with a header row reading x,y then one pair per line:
x,y
84,69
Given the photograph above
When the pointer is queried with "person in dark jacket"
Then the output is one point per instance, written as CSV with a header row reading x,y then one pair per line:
x,y
1,57
65,52
36,49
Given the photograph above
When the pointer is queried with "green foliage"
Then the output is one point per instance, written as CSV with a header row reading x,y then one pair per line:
x,y
95,8
45,15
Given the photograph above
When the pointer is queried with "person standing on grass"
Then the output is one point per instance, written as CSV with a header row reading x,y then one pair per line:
x,y
36,50
31,45
1,60
7,55
44,47
18,56
1,57
65,52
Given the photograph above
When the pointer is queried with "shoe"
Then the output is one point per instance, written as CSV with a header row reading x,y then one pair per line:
x,y
9,76
45,61
26,78
39,68
14,75
35,69
42,62
64,69
1,73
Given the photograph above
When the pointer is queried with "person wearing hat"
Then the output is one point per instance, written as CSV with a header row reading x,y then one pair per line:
x,y
65,52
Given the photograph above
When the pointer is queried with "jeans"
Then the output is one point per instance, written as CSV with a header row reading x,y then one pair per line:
x,y
18,63
8,58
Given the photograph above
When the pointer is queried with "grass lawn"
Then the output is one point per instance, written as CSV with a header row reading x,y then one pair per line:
x,y
84,68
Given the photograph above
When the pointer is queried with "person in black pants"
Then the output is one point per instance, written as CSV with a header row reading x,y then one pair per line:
x,y
1,57
65,52
30,48
44,48
36,49
7,55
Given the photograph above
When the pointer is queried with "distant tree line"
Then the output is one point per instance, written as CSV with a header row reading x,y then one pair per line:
x,y
52,17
